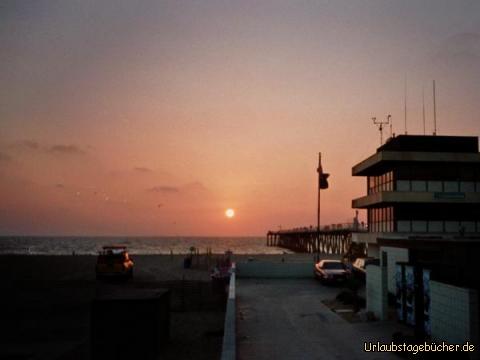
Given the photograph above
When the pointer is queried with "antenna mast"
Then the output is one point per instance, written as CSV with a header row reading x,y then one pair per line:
x,y
434,111
423,108
380,126
389,118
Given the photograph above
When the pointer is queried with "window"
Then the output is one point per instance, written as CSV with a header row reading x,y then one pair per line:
x,y
452,226
435,186
403,226
435,226
419,226
467,186
450,186
403,185
468,226
419,185
380,219
383,182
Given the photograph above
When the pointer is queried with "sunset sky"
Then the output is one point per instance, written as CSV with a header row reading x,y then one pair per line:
x,y
154,117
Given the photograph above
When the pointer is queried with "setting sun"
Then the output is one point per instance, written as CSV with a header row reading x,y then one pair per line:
x,y
230,213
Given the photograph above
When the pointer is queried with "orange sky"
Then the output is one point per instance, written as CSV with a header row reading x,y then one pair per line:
x,y
152,119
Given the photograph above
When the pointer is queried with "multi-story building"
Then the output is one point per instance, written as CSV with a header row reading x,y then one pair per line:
x,y
424,185
423,213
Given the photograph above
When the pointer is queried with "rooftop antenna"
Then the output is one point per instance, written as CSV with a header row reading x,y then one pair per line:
x,y
380,124
389,119
423,108
434,111
405,103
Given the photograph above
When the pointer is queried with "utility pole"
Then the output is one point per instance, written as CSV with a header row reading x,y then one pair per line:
x,y
322,184
319,170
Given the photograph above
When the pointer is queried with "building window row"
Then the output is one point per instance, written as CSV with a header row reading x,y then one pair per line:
x,y
381,219
380,183
437,186
438,226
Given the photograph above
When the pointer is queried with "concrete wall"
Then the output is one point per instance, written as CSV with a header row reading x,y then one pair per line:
x,y
229,347
265,269
394,255
376,291
454,314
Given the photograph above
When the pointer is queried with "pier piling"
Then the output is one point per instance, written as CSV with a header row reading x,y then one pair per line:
x,y
333,239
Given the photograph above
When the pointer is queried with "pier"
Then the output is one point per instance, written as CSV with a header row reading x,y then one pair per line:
x,y
331,239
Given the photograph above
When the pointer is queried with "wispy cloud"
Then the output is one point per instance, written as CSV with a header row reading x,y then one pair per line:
x,y
164,189
189,188
26,145
142,169
30,144
66,149
195,186
35,146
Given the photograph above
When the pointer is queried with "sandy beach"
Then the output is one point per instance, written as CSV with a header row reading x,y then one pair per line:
x,y
48,298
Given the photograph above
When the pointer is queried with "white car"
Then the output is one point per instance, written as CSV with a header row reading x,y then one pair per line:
x,y
331,271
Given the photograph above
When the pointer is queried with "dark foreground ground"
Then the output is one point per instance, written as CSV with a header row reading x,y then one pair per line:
x,y
46,306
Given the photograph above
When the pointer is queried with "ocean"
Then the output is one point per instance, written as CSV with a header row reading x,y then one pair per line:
x,y
81,245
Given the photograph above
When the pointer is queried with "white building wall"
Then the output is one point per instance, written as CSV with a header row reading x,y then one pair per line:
x,y
377,291
394,255
454,314
265,269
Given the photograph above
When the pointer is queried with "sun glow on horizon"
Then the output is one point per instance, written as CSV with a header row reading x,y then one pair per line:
x,y
229,213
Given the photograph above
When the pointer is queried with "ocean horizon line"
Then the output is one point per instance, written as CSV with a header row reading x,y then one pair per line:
x,y
133,236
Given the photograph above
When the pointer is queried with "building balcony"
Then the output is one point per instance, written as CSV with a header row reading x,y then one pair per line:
x,y
382,160
397,197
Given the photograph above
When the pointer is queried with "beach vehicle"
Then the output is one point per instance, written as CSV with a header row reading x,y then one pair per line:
x,y
114,261
331,271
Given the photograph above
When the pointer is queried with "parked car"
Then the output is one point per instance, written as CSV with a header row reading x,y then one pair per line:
x,y
114,261
360,265
331,271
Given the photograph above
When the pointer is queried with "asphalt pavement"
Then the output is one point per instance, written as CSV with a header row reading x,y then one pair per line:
x,y
286,319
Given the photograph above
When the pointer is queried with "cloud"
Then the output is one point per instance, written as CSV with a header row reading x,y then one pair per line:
x,y
164,189
142,169
26,145
65,149
195,186
32,145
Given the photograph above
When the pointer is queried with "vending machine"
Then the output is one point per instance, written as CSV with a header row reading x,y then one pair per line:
x,y
412,297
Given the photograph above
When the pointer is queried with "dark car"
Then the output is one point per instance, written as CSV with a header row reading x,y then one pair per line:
x,y
114,261
331,271
360,266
